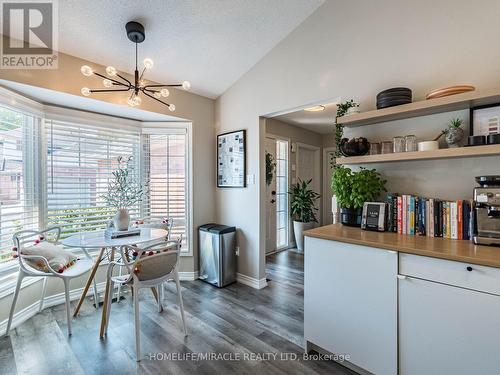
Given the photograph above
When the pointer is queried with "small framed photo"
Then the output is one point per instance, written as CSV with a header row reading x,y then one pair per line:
x,y
485,120
231,160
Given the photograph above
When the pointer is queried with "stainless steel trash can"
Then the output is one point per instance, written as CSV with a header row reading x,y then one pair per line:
x,y
217,254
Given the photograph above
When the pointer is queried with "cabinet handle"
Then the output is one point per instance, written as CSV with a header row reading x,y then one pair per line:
x,y
469,268
401,277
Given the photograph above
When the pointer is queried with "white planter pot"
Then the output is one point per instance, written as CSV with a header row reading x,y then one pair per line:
x,y
352,110
298,230
121,220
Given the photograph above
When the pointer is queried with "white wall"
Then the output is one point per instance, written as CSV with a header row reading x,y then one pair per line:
x,y
354,49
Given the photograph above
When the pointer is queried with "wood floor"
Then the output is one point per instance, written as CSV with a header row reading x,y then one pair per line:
x,y
236,319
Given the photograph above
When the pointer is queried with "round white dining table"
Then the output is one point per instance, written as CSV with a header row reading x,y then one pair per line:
x,y
98,240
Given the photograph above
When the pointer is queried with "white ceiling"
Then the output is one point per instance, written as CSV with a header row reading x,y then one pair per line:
x,y
318,122
210,43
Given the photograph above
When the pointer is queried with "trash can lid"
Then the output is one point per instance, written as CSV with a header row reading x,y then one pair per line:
x,y
221,229
206,227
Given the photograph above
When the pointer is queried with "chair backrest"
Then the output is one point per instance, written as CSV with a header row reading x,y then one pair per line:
x,y
30,237
166,224
156,262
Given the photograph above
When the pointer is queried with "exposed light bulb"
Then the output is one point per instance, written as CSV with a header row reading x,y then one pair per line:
x,y
107,83
86,70
186,85
157,94
142,83
148,63
164,92
130,102
171,107
85,91
111,71
137,100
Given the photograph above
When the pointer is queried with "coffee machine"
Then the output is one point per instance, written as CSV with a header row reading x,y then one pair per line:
x,y
487,210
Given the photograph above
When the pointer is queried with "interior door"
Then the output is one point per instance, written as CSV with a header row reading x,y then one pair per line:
x,y
271,202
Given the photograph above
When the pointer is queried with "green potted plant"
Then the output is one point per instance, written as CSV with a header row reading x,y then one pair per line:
x,y
302,207
123,192
353,189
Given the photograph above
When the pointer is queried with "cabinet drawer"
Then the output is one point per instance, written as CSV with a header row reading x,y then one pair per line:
x,y
482,278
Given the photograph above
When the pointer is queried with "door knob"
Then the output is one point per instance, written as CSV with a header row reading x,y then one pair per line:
x,y
469,268
272,201
273,192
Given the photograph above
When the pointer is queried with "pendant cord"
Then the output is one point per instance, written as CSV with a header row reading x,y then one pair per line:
x,y
135,55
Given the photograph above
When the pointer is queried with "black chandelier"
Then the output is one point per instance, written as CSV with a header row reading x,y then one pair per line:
x,y
135,33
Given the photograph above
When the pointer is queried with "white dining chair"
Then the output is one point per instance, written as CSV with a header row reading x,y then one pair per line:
x,y
152,267
81,266
166,224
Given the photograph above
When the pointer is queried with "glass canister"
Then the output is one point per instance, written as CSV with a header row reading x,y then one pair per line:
x,y
399,144
387,147
411,143
374,148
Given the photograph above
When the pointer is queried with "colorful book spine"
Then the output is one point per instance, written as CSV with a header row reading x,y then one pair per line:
x,y
460,215
411,214
400,214
404,210
454,220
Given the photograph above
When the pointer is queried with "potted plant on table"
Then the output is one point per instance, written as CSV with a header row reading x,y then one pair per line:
x,y
353,189
123,192
302,207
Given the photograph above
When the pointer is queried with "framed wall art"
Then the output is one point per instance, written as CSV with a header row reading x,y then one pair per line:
x,y
485,120
231,159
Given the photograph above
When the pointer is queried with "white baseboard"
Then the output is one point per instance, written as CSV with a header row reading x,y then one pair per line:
x,y
250,281
188,276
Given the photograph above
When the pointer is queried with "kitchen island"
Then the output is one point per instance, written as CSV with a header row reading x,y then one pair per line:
x,y
402,304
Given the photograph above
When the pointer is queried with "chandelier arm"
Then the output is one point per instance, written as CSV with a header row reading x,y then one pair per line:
x,y
111,79
158,100
110,90
125,79
142,73
149,90
148,86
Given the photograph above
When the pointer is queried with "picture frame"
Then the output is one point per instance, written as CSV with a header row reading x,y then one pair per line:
x,y
231,159
485,120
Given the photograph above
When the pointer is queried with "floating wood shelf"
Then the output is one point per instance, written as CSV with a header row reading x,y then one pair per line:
x,y
423,108
445,153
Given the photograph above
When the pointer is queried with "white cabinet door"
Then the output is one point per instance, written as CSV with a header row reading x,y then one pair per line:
x,y
350,302
447,330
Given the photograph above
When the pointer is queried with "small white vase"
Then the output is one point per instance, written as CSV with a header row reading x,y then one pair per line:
x,y
121,219
298,230
352,110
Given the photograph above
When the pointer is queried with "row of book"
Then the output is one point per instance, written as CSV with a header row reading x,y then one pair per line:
x,y
419,216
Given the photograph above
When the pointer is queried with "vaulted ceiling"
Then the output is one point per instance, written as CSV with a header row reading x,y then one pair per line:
x,y
211,43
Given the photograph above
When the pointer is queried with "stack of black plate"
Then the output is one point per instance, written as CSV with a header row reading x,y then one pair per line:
x,y
394,96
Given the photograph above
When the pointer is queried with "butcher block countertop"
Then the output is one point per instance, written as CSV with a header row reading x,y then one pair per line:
x,y
458,250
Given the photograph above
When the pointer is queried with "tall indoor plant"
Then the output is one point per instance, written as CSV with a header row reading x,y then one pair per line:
x,y
123,192
353,189
302,207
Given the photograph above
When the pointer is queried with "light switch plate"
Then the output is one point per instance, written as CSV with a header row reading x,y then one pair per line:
x,y
250,179
293,167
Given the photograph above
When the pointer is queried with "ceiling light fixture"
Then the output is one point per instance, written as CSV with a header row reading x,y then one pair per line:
x,y
135,33
316,108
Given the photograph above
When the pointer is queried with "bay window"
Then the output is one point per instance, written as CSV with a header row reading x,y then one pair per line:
x,y
55,165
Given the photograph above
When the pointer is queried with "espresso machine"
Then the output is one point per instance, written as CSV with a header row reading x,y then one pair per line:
x,y
487,210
